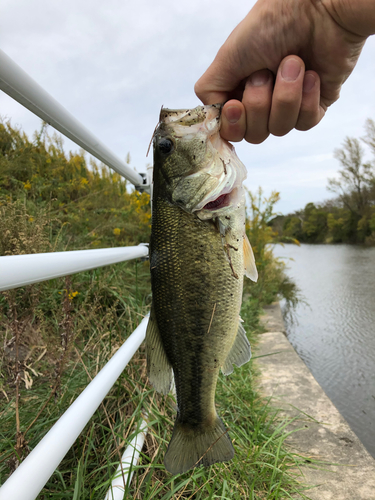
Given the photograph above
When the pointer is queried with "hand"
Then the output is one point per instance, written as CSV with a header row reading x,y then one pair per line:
x,y
284,64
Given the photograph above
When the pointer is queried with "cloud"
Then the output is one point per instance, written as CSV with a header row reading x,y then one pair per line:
x,y
113,64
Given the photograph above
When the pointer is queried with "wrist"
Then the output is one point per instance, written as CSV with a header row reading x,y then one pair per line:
x,y
356,16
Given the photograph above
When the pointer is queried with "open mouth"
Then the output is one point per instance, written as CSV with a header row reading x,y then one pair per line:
x,y
220,202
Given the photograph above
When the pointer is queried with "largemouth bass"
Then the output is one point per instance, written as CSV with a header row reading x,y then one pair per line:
x,y
199,253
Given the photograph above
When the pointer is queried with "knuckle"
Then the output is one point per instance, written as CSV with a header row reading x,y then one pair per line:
x,y
256,104
258,101
256,136
233,134
280,130
307,120
197,89
287,100
303,126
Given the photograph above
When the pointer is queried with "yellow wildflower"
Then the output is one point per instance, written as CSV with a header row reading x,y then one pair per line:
x,y
117,231
84,181
72,295
27,185
31,219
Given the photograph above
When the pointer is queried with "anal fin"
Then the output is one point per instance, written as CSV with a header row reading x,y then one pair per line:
x,y
240,352
159,370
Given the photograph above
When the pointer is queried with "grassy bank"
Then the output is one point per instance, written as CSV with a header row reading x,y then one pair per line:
x,y
57,335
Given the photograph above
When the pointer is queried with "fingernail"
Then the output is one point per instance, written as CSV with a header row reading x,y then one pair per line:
x,y
309,82
259,78
290,70
233,114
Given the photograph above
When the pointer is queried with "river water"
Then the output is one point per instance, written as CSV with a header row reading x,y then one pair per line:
x,y
335,333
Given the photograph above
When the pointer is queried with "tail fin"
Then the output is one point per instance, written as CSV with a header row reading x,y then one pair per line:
x,y
190,447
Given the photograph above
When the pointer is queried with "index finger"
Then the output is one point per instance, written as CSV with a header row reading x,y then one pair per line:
x,y
222,79
208,96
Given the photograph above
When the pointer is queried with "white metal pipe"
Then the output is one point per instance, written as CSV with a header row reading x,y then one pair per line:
x,y
21,270
128,460
29,478
15,82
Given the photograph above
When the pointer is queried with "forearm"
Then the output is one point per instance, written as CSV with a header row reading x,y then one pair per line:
x,y
356,16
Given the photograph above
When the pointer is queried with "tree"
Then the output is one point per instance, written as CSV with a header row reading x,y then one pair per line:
x,y
369,139
314,224
355,184
355,178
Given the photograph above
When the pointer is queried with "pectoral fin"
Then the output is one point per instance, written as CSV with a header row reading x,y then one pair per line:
x,y
159,370
240,352
250,269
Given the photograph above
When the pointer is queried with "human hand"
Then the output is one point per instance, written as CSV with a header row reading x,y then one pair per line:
x,y
284,64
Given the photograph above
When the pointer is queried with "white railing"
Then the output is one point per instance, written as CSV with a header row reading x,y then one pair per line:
x,y
21,270
29,478
15,82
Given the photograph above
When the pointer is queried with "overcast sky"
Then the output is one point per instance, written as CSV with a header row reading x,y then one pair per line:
x,y
113,64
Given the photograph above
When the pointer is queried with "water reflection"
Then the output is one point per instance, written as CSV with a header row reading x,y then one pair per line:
x,y
335,334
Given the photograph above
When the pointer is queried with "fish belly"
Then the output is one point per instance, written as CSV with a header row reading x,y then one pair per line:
x,y
197,288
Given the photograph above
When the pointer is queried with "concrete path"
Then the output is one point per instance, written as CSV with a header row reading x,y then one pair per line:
x,y
326,436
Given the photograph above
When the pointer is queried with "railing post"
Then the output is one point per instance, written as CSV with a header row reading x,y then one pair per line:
x,y
128,460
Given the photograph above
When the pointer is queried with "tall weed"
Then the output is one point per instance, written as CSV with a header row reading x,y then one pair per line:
x,y
273,283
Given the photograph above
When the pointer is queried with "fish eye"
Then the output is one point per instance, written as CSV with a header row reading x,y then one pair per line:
x,y
165,146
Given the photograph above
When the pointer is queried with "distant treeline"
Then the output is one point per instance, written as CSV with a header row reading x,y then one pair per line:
x,y
349,218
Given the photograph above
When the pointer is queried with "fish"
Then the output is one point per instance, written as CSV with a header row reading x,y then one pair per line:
x,y
199,253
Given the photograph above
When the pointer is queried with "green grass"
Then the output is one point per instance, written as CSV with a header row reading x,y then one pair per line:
x,y
261,469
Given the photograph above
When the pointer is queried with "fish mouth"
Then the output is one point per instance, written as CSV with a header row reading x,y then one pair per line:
x,y
190,117
186,123
221,201
223,204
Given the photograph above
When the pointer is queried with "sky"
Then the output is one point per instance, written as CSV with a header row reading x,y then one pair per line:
x,y
113,64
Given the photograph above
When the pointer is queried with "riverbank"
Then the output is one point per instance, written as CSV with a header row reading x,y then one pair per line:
x,y
346,471
333,328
